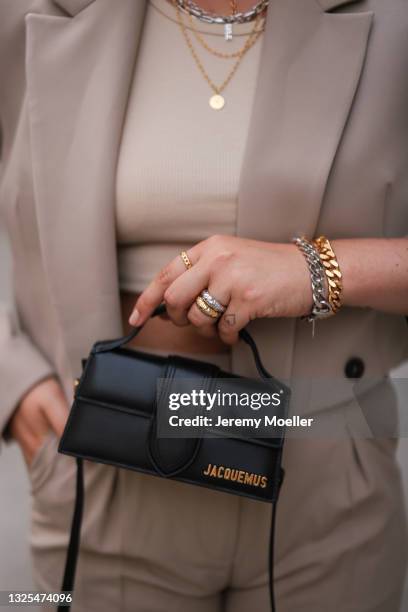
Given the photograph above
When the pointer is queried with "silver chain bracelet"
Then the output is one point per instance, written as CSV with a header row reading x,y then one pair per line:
x,y
321,307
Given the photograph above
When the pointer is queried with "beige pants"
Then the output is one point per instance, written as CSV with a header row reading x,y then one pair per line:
x,y
152,545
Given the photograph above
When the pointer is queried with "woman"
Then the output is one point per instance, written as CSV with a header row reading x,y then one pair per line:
x,y
122,147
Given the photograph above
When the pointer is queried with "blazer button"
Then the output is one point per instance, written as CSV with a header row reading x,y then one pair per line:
x,y
354,368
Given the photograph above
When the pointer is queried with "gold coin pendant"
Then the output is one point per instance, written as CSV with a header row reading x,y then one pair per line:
x,y
217,102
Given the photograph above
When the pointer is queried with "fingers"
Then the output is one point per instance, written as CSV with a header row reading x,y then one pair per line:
x,y
183,291
205,325
43,408
55,409
203,321
28,428
232,321
153,295
227,326
179,287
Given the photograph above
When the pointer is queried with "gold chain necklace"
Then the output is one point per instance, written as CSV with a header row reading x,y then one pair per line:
x,y
217,101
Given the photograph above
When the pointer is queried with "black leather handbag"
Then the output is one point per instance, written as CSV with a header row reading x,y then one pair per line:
x,y
113,420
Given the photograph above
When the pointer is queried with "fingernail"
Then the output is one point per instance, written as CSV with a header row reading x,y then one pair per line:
x,y
134,317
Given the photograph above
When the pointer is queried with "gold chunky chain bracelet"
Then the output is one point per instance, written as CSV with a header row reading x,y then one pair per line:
x,y
332,271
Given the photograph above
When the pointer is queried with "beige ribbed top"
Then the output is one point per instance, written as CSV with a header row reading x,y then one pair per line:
x,y
180,161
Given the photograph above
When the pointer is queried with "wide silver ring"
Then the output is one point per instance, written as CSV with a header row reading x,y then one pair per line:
x,y
212,302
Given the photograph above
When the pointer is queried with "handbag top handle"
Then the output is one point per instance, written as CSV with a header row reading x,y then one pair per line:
x,y
110,345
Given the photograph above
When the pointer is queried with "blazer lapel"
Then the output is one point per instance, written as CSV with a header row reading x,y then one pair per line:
x,y
79,70
310,69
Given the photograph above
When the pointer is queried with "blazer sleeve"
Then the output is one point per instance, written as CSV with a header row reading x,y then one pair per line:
x,y
22,365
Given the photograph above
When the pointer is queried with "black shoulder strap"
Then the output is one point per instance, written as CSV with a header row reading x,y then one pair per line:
x,y
74,539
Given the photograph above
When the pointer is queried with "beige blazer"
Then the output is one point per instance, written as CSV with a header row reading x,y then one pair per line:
x,y
327,152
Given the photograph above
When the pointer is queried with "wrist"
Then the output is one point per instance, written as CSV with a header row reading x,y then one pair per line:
x,y
302,282
349,268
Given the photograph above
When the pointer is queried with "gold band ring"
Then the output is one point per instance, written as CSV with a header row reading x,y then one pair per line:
x,y
206,309
186,260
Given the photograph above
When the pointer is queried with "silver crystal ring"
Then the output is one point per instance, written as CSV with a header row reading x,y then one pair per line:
x,y
211,301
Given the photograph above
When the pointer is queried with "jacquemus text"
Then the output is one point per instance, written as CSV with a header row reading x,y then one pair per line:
x,y
241,476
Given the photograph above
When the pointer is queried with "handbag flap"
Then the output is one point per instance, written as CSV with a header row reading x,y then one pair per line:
x,y
129,380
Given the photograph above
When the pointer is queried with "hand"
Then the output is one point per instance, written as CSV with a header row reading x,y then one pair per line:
x,y
42,409
253,279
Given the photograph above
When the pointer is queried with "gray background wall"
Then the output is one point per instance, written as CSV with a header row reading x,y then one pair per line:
x,y
15,500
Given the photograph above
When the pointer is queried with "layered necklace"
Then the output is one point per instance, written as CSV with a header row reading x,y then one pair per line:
x,y
187,8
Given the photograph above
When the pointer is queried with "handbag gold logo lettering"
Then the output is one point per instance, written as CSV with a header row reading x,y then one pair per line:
x,y
241,476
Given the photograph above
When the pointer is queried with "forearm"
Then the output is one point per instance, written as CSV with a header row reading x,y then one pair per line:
x,y
375,273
